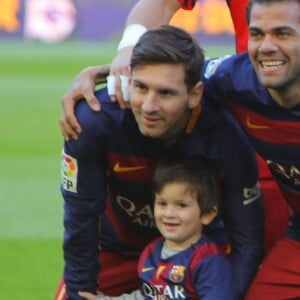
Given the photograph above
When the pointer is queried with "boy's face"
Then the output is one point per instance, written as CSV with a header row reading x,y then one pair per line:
x,y
177,215
160,100
274,44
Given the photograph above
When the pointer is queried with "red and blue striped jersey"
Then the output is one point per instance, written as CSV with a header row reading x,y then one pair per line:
x,y
107,174
197,273
273,129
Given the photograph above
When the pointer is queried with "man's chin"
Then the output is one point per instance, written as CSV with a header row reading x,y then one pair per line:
x,y
150,132
151,135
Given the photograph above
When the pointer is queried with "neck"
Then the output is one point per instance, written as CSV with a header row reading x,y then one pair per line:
x,y
286,98
179,129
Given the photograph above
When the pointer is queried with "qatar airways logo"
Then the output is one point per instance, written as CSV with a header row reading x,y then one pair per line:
x,y
141,215
160,292
290,172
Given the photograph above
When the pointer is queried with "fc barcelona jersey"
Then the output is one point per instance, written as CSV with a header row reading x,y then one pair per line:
x,y
198,272
273,130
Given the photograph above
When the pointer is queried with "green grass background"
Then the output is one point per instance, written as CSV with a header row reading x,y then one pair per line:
x,y
33,79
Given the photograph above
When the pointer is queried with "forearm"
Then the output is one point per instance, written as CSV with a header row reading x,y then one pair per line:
x,y
246,239
83,190
152,14
135,295
80,248
245,259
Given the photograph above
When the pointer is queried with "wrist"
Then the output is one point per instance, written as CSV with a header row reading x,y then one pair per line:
x,y
131,35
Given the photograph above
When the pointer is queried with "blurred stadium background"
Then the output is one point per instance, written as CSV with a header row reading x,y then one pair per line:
x,y
44,44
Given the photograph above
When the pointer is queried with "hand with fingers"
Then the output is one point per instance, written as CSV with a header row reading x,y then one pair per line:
x,y
118,77
83,87
84,84
134,295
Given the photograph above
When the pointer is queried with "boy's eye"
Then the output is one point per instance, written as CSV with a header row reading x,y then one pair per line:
x,y
183,205
160,203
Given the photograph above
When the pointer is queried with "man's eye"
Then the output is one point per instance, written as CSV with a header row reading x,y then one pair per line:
x,y
255,34
139,86
283,34
166,93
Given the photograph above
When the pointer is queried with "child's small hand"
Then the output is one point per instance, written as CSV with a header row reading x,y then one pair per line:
x,y
90,296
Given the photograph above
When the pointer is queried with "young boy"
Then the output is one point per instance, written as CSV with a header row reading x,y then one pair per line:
x,y
183,263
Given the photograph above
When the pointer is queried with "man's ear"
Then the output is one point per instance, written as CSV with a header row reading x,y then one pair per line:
x,y
208,217
195,95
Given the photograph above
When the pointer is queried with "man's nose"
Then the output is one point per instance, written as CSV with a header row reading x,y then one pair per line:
x,y
268,44
150,103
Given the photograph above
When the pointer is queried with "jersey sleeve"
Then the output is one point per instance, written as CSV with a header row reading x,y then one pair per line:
x,y
241,196
83,190
187,4
224,76
242,203
215,84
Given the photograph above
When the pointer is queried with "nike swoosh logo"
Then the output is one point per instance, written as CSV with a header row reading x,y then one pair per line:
x,y
255,126
120,169
147,269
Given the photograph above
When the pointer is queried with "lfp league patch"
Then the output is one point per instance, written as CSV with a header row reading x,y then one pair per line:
x,y
69,172
213,65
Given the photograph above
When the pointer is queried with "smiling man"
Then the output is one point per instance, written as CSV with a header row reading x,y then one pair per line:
x,y
264,94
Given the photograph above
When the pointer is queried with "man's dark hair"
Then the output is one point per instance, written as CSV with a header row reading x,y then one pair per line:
x,y
197,173
170,45
268,2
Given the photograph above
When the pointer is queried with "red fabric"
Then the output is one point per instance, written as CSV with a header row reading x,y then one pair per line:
x,y
238,15
276,209
119,273
279,275
61,291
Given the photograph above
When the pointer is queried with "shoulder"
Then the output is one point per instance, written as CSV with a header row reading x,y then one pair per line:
x,y
224,128
156,243
153,249
109,115
227,65
204,248
206,253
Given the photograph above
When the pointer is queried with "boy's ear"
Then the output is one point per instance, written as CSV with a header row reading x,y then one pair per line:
x,y
196,95
208,217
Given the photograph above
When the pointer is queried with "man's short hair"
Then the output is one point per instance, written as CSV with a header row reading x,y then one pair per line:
x,y
170,45
252,2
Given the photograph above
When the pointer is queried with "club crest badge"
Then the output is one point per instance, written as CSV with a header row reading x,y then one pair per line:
x,y
176,274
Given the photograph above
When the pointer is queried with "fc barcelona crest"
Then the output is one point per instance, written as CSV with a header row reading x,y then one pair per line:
x,y
177,273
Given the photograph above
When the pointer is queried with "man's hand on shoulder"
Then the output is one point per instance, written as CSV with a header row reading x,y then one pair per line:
x,y
83,87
